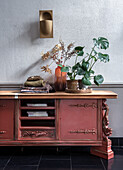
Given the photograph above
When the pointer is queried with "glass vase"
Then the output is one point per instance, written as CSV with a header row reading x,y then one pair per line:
x,y
60,79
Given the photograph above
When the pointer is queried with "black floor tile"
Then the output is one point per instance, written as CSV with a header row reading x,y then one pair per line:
x,y
29,150
113,164
21,168
62,158
82,159
118,153
87,168
29,156
54,165
24,160
107,163
4,160
117,165
85,159
117,162
59,153
5,155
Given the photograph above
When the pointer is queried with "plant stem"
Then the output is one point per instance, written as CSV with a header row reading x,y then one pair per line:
x,y
92,65
76,59
92,62
51,63
64,61
66,54
83,59
91,53
74,75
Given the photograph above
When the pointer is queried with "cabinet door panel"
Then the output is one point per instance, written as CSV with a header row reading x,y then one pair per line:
x,y
78,119
6,119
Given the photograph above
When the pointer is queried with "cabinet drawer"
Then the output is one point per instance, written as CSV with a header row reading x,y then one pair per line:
x,y
37,134
6,119
78,119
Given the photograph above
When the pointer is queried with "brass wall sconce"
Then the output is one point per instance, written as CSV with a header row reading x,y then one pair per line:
x,y
46,24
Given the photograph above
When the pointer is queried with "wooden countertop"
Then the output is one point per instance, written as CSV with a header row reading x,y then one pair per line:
x,y
57,95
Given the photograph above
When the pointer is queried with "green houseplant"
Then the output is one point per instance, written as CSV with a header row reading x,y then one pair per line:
x,y
84,67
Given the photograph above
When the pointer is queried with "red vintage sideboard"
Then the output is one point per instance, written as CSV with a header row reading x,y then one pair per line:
x,y
58,119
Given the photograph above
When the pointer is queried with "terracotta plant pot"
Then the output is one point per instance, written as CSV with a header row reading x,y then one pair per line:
x,y
72,84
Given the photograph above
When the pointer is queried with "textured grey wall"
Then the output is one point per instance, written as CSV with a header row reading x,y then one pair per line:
x,y
74,21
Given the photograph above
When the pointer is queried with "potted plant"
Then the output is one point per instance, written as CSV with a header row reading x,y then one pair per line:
x,y
84,67
74,70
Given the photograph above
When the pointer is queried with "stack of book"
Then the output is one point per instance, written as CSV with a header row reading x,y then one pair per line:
x,y
37,113
34,90
36,104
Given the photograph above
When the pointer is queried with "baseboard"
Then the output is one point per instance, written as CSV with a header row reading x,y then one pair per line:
x,y
13,86
111,85
116,141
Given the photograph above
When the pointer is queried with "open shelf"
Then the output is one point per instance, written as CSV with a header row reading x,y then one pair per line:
x,y
37,119
37,112
38,122
37,103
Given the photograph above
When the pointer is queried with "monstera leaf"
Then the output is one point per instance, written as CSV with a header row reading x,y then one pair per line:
x,y
79,50
87,74
75,67
101,43
98,79
80,71
86,81
91,72
103,57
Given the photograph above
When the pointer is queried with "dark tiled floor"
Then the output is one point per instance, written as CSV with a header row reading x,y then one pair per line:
x,y
53,158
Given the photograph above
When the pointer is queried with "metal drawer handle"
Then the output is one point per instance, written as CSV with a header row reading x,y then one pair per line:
x,y
85,105
85,131
2,132
2,105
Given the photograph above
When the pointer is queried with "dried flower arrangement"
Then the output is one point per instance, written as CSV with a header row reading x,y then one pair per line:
x,y
59,54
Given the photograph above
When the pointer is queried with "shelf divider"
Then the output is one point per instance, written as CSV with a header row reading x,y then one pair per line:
x,y
37,108
37,118
36,127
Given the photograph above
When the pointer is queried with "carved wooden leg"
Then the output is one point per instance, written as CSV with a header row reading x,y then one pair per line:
x,y
105,150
